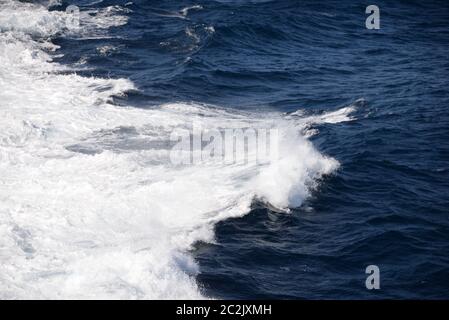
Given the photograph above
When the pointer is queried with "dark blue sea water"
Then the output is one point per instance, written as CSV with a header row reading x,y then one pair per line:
x,y
387,204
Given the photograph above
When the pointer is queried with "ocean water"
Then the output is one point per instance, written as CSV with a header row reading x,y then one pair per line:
x,y
92,207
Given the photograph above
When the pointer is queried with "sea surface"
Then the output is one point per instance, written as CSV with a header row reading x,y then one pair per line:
x,y
91,206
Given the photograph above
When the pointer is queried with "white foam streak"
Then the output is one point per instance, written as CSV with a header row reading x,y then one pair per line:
x,y
31,19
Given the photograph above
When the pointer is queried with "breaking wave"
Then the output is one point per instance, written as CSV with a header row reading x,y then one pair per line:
x,y
89,208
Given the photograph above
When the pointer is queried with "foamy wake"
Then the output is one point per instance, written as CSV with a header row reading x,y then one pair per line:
x,y
88,209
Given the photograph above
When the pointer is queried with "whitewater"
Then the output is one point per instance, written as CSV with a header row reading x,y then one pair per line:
x,y
89,208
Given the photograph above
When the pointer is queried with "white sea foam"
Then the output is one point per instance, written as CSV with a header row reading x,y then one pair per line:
x,y
186,10
87,208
